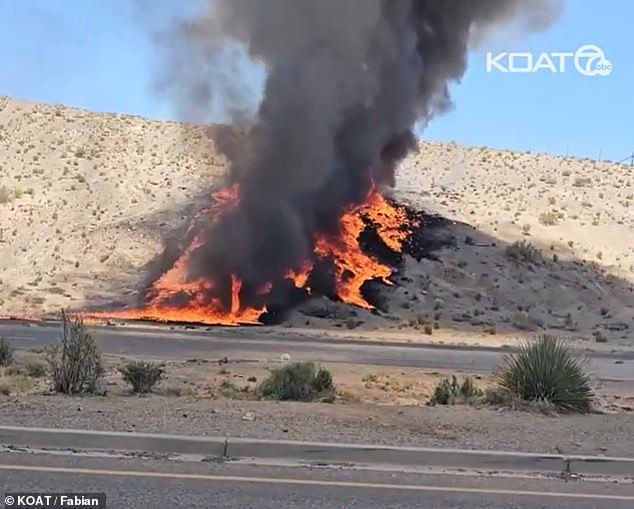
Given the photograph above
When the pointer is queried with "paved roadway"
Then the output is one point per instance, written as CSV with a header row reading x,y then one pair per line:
x,y
139,484
246,344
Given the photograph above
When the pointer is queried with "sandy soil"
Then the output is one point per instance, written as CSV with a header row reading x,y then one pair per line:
x,y
86,201
373,405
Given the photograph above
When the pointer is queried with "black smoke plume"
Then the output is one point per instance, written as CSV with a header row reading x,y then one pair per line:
x,y
346,82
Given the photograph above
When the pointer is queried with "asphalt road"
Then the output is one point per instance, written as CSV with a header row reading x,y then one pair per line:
x,y
139,484
249,345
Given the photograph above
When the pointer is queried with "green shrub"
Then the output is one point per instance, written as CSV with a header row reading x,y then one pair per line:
x,y
75,366
451,392
299,381
6,353
444,392
547,370
142,376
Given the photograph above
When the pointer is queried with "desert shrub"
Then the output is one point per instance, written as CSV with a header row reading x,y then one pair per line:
x,y
524,252
582,182
548,218
498,396
547,370
6,353
6,195
142,376
75,366
299,381
451,392
30,369
229,390
34,369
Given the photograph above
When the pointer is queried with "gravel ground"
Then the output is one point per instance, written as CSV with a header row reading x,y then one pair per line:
x,y
454,427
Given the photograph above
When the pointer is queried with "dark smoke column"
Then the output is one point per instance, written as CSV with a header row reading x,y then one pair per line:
x,y
347,80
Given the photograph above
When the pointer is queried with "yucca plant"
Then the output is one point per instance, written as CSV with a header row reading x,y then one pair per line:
x,y
548,370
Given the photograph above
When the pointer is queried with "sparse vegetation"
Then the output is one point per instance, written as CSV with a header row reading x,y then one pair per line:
x,y
35,369
142,376
582,182
547,370
452,392
16,382
229,390
498,396
299,381
549,218
524,252
6,195
6,353
30,370
75,366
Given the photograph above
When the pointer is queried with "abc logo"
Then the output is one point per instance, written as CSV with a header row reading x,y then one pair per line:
x,y
590,60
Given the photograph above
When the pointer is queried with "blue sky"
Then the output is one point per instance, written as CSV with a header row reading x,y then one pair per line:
x,y
97,54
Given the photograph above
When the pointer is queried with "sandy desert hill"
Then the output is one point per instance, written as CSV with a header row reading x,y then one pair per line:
x,y
86,200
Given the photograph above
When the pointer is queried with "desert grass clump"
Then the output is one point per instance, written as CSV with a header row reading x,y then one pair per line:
x,y
298,381
74,366
142,376
524,252
229,390
547,370
34,369
582,182
452,392
6,353
549,218
6,195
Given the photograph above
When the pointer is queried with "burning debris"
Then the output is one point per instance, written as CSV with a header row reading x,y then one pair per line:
x,y
370,243
303,213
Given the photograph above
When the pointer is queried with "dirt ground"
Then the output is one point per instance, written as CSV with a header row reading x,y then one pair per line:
x,y
87,200
384,406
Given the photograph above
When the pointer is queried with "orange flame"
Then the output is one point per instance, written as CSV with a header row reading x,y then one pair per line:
x,y
174,283
300,277
352,266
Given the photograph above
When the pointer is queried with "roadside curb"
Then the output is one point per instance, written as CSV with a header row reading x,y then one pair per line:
x,y
313,452
82,440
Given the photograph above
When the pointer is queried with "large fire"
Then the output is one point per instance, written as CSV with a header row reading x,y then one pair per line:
x,y
175,298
